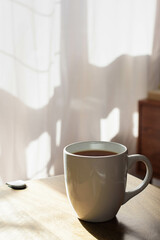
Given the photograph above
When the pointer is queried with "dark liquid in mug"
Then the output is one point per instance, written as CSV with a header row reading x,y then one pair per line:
x,y
95,153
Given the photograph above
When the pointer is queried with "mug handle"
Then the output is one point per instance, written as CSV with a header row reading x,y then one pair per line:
x,y
132,159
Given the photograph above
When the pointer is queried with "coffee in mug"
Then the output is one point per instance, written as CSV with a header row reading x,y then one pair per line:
x,y
95,178
95,153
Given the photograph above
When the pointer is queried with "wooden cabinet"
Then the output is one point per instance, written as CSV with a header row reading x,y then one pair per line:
x,y
149,134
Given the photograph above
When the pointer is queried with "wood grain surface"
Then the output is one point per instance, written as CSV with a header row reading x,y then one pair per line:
x,y
149,134
42,211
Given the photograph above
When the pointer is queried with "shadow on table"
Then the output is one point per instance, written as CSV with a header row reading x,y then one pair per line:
x,y
106,230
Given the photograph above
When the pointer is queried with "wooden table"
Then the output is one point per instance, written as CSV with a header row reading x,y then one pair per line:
x,y
42,211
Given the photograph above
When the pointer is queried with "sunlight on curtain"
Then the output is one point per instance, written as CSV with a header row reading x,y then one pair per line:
x,y
29,77
110,125
38,156
58,132
28,29
120,42
135,124
120,27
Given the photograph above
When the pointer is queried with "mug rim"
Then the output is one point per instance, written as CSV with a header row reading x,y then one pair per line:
x,y
65,150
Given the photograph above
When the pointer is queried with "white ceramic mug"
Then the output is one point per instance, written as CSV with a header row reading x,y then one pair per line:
x,y
95,185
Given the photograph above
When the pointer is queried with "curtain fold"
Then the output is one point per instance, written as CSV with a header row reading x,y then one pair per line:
x,y
72,70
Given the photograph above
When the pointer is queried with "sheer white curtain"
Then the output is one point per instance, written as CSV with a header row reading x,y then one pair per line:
x,y
71,70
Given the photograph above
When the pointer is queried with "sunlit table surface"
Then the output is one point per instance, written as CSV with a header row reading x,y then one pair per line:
x,y
42,211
